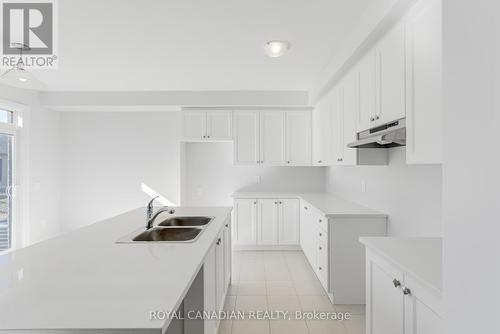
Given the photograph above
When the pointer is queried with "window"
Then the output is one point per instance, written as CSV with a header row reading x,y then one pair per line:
x,y
7,132
6,116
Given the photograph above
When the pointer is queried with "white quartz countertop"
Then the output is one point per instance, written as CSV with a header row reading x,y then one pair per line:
x,y
84,280
330,205
420,257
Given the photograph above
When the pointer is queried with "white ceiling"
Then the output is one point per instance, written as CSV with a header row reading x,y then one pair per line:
x,y
118,45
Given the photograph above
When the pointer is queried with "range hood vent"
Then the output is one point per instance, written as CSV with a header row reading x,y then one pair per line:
x,y
388,135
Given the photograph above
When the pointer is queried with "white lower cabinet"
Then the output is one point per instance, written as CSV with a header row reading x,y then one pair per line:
x,y
220,272
332,248
397,303
266,222
245,222
288,223
217,276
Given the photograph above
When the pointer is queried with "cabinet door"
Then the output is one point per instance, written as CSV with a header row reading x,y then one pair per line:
x,y
245,222
322,131
227,254
384,300
289,221
195,123
390,71
338,125
303,231
209,291
424,108
365,82
349,155
267,222
308,232
219,125
322,264
219,271
423,309
246,140
272,138
298,138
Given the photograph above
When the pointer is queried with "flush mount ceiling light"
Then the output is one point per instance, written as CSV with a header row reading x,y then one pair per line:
x,y
18,76
276,48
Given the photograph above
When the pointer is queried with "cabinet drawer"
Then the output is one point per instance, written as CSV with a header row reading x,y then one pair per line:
x,y
322,269
323,223
322,236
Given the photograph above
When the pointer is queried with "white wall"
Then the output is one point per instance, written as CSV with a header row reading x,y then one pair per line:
x,y
471,178
210,176
39,168
410,194
108,155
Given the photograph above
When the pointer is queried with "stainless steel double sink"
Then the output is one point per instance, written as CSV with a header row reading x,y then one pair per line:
x,y
172,229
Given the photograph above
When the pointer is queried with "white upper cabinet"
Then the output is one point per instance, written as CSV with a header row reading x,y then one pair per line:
x,y
195,125
298,138
219,125
206,125
246,138
365,89
322,131
344,121
349,156
337,95
380,81
390,76
272,138
424,119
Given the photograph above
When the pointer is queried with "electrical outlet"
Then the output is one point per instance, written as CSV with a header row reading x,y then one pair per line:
x,y
256,179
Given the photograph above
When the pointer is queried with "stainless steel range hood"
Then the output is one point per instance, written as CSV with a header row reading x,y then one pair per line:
x,y
391,134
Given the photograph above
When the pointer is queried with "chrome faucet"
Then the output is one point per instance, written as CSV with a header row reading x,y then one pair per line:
x,y
150,208
151,215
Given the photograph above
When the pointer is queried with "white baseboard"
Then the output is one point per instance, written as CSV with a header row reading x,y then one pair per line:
x,y
266,248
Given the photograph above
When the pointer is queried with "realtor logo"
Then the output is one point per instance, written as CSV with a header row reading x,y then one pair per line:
x,y
30,26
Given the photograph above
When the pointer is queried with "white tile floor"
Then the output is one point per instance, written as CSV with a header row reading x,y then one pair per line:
x,y
280,281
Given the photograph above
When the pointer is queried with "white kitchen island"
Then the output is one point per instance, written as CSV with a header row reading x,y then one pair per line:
x,y
85,282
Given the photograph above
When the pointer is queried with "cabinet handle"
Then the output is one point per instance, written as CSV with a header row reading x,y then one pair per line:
x,y
305,208
320,161
320,248
372,119
227,225
320,220
204,136
254,202
406,291
377,117
396,283
275,202
340,159
320,268
218,242
281,202
320,234
288,162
